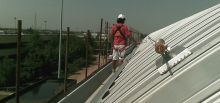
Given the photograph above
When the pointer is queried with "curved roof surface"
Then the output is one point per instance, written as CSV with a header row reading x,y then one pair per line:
x,y
191,75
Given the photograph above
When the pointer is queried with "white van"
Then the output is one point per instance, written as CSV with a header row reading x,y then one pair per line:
x,y
2,32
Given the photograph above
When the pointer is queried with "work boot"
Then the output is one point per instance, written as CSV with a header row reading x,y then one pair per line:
x,y
121,61
113,70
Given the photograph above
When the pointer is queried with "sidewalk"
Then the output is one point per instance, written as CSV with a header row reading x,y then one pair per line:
x,y
4,94
80,75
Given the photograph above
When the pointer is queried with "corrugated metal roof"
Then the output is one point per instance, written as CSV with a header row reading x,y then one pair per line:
x,y
193,78
193,71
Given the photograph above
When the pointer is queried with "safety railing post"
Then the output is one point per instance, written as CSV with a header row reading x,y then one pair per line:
x,y
66,59
100,37
106,55
19,30
86,42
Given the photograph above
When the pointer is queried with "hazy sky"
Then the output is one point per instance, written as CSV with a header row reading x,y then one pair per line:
x,y
143,15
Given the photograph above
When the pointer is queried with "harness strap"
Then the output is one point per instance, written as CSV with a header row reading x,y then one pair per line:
x,y
120,50
119,29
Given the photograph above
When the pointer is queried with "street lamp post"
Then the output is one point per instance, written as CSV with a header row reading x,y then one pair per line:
x,y
61,25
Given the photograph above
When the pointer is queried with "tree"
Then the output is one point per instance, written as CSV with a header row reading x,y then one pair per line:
x,y
34,58
7,72
91,40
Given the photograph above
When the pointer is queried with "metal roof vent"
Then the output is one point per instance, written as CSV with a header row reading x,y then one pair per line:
x,y
171,58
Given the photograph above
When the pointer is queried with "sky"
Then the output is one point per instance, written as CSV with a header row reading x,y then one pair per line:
x,y
145,16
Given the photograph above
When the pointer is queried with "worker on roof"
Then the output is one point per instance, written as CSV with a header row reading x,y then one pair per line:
x,y
119,34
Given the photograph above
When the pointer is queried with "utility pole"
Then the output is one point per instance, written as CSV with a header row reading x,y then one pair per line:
x,y
61,28
100,36
66,59
18,64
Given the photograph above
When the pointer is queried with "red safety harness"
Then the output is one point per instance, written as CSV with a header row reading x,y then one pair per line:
x,y
119,29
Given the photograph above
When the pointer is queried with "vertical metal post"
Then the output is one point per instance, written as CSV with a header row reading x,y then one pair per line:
x,y
103,47
66,59
109,39
100,35
86,40
61,28
129,43
18,60
106,43
139,37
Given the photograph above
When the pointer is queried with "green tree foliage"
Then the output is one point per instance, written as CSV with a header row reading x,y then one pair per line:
x,y
7,72
77,53
34,58
40,58
91,40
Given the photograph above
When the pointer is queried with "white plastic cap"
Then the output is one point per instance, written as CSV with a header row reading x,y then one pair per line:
x,y
121,16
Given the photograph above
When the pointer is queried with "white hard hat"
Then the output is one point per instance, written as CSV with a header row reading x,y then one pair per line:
x,y
121,16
